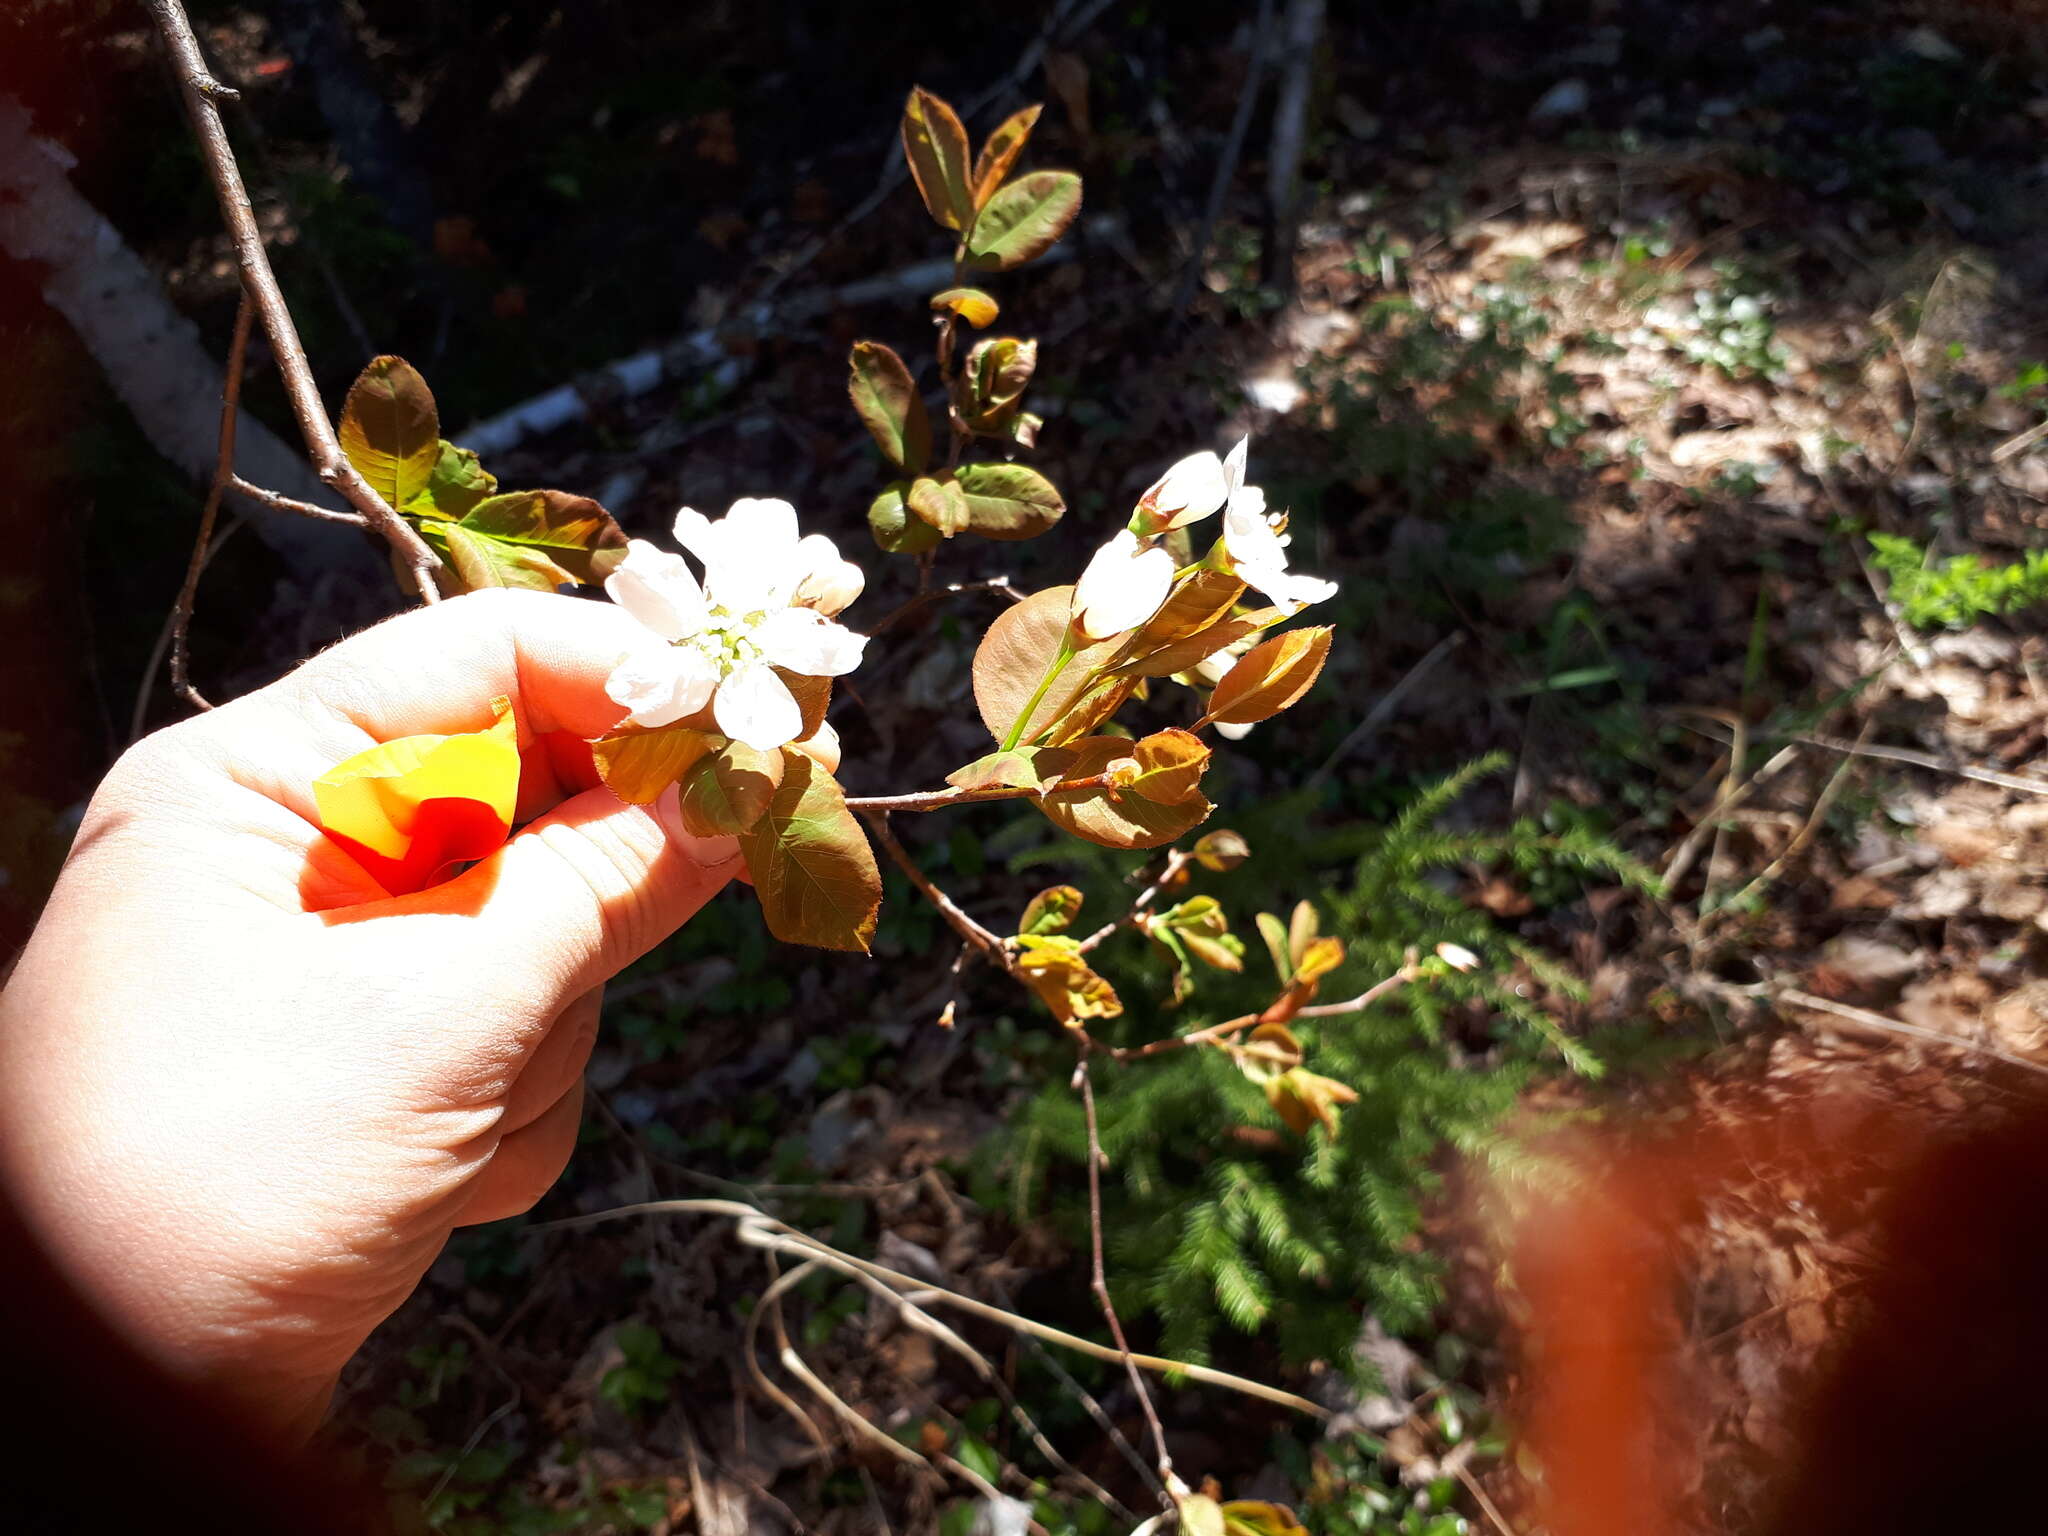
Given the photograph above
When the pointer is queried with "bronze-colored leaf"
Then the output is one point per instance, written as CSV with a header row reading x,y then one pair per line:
x,y
1258,1517
729,790
637,765
1170,766
811,865
935,144
1113,817
1054,968
1221,850
813,697
896,528
998,369
1021,646
1302,1098
939,501
1269,677
390,430
1001,151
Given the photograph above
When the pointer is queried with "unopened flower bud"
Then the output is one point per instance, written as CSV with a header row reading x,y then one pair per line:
x,y
1221,850
830,588
1457,957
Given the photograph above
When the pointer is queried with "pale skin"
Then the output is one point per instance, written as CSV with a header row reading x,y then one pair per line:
x,y
244,1095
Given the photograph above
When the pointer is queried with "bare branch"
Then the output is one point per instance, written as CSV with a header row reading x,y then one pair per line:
x,y
202,94
1176,861
1099,1283
203,544
277,503
981,938
943,799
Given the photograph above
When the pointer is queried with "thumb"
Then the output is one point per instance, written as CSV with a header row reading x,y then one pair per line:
x,y
595,884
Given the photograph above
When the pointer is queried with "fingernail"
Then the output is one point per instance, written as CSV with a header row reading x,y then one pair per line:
x,y
709,852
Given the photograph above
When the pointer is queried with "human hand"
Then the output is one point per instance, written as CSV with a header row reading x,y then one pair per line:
x,y
244,1095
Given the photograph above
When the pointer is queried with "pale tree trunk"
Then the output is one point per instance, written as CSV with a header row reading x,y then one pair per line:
x,y
151,354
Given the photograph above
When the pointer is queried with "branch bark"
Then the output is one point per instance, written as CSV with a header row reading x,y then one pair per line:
x,y
202,93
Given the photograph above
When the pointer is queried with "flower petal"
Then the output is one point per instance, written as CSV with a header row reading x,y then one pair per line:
x,y
1231,732
804,641
659,685
829,583
750,561
1123,586
656,587
693,532
1190,491
755,706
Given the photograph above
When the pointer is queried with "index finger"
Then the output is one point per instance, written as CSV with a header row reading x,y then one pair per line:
x,y
430,670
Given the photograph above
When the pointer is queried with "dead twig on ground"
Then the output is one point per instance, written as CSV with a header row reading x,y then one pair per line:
x,y
1859,748
757,1229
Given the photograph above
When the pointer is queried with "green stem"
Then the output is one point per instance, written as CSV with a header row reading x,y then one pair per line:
x,y
1064,655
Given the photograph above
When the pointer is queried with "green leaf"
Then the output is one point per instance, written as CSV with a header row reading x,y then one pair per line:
x,y
940,502
390,430
1024,219
532,539
811,864
1274,932
729,790
978,309
1012,770
935,144
1052,910
896,528
889,405
1001,150
1009,501
457,484
637,765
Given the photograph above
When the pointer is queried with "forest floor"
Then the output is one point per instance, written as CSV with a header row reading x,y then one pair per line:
x,y
1612,341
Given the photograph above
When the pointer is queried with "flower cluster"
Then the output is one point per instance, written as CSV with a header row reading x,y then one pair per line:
x,y
1130,577
766,605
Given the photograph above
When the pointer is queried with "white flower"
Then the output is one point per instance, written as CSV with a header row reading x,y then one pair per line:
x,y
720,642
1257,545
1124,585
1190,491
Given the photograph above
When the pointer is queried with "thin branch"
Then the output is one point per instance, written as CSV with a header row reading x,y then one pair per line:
x,y
1218,1034
277,503
944,799
981,938
223,470
202,94
1098,1282
1176,861
926,598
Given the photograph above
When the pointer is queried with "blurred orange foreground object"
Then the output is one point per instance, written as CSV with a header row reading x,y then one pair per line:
x,y
412,810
